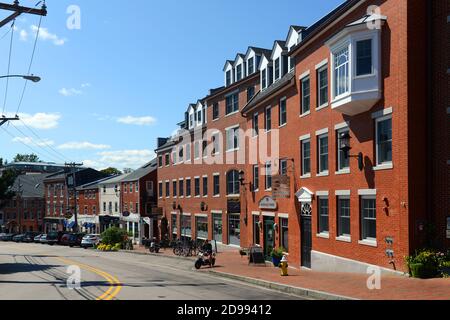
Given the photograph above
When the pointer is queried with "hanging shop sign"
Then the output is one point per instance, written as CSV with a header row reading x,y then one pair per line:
x,y
281,187
268,203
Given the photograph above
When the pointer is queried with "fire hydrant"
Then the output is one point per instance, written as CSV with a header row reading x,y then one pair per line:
x,y
284,266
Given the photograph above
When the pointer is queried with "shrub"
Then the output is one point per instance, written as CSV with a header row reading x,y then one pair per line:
x,y
427,263
114,235
278,253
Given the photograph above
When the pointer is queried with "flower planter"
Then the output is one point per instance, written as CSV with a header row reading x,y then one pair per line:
x,y
276,261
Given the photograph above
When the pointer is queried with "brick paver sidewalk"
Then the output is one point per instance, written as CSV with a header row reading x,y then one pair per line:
x,y
341,284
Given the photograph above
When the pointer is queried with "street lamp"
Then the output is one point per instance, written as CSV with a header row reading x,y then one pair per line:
x,y
30,78
345,147
243,184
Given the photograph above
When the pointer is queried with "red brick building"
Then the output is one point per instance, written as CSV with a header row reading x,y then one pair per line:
x,y
354,111
25,211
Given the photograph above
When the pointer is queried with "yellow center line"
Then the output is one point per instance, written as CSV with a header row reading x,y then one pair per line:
x,y
115,285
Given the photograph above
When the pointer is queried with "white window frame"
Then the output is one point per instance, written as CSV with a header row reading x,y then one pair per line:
x,y
255,177
325,104
345,46
255,116
367,240
265,119
338,152
303,141
302,80
386,164
320,170
284,99
227,137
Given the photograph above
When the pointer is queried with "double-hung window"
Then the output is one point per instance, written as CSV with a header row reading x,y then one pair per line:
x,y
196,150
181,188
233,183
188,187
368,218
188,152
306,157
167,160
174,187
251,65
255,124
268,119
306,95
216,185
239,72
250,93
343,160
384,140
167,189
268,168
277,69
283,167
264,79
322,83
228,76
343,217
255,178
341,72
216,144
322,154
323,215
232,139
197,187
160,189
232,103
205,186
160,161
364,57
283,112
215,111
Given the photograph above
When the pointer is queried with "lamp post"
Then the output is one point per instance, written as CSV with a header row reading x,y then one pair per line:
x,y
345,147
32,78
244,184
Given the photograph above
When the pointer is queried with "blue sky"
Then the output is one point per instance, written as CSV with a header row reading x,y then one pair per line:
x,y
109,89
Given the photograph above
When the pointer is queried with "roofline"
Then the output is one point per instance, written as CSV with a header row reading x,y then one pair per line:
x,y
326,24
232,86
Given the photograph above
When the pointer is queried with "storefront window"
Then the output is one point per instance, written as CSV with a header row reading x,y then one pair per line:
x,y
186,229
217,218
136,230
174,226
202,228
234,229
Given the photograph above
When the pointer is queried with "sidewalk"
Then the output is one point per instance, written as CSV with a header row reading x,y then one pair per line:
x,y
324,285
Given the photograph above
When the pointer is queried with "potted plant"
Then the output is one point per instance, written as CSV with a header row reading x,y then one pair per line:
x,y
277,255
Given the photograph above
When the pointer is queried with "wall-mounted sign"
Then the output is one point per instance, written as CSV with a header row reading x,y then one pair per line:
x,y
268,203
126,214
281,187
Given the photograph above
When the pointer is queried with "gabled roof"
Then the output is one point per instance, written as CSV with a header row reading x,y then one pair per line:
x,y
115,179
93,185
142,172
258,51
31,185
281,44
228,62
294,29
266,55
239,55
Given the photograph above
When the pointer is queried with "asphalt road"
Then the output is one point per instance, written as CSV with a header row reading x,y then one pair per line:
x,y
41,272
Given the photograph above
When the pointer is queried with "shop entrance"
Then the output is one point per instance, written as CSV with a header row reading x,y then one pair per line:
x,y
269,236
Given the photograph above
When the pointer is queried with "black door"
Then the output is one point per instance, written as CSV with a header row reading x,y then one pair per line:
x,y
306,241
269,236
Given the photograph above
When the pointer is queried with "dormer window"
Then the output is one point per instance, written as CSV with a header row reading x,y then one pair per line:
x,y
191,121
277,69
199,117
264,79
239,72
228,75
251,66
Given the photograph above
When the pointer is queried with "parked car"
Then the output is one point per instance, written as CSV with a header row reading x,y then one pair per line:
x,y
8,237
1,235
90,240
18,238
54,237
29,237
76,239
37,239
65,239
43,239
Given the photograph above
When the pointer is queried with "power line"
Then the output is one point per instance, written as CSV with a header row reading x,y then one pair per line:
x,y
31,63
6,33
9,64
43,141
26,136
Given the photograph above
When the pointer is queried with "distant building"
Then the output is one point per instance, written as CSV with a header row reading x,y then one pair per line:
x,y
33,167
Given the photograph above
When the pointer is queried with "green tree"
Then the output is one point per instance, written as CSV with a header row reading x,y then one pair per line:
x,y
112,171
7,179
26,158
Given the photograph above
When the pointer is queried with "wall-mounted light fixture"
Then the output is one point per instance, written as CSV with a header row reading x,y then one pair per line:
x,y
345,146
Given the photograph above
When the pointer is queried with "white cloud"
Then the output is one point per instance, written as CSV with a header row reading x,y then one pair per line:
x,y
83,146
45,35
70,92
121,159
86,85
43,121
31,141
137,121
23,35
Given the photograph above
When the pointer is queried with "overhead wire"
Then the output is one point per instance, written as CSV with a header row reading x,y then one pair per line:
x,y
9,65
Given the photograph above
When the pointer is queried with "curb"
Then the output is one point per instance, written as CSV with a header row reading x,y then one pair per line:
x,y
315,294
156,255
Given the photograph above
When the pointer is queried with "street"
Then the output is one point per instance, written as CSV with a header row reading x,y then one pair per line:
x,y
40,272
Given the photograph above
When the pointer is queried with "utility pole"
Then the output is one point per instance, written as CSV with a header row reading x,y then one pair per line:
x,y
73,166
4,119
18,10
19,206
